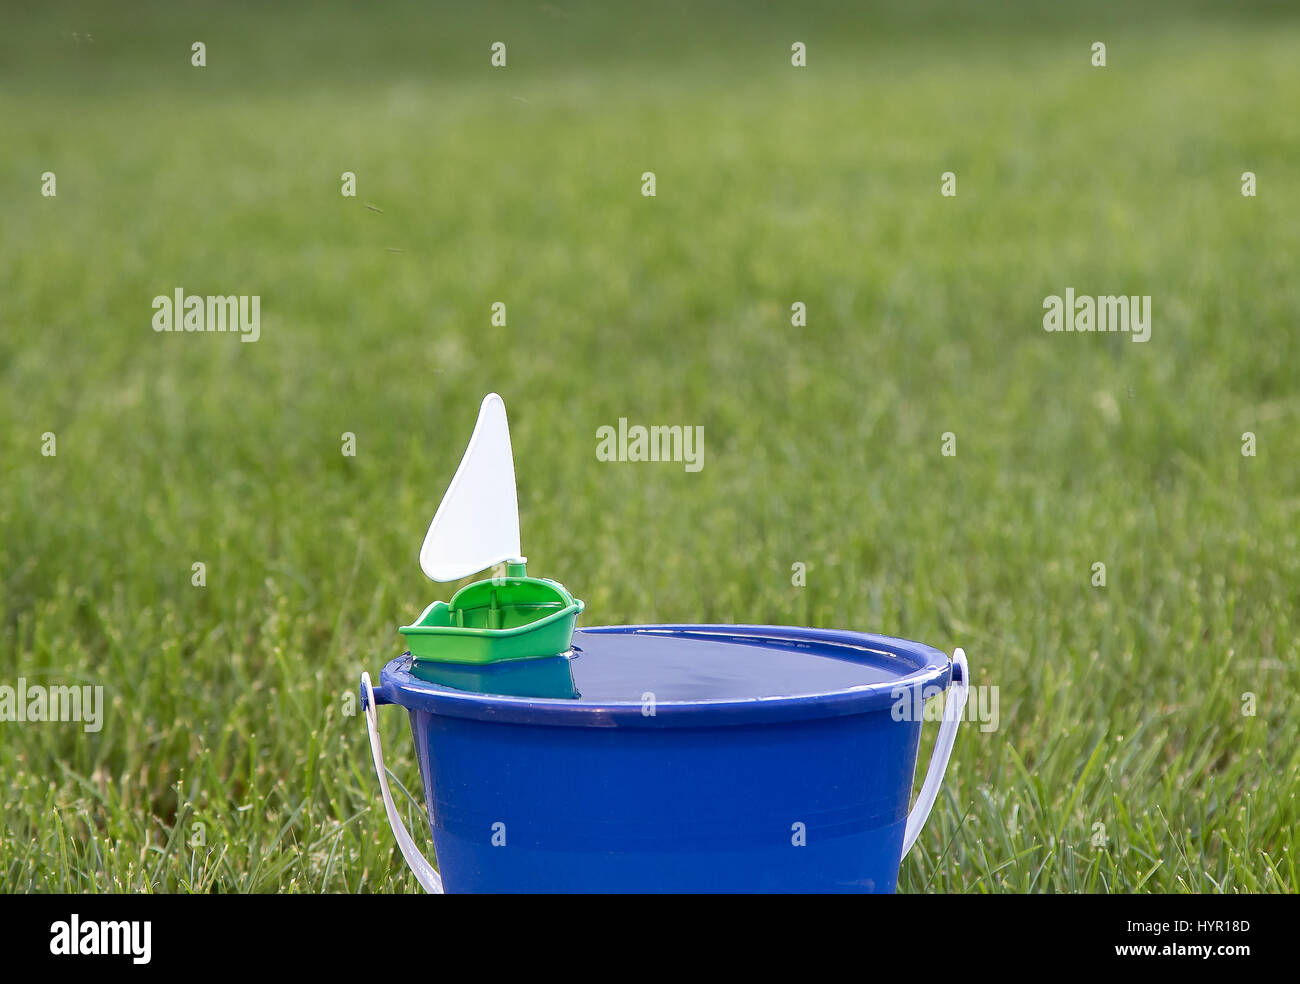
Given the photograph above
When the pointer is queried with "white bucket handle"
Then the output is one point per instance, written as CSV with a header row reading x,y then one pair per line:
x,y
953,707
425,874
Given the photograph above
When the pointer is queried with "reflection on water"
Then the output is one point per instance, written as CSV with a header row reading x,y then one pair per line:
x,y
550,677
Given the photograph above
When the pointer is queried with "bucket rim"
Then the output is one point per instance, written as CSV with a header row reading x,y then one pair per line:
x,y
931,668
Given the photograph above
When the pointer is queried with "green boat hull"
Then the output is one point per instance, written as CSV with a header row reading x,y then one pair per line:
x,y
493,621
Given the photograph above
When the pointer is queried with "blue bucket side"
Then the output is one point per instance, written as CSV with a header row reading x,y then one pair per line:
x,y
814,805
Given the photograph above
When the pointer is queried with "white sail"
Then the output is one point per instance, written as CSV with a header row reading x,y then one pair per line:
x,y
477,522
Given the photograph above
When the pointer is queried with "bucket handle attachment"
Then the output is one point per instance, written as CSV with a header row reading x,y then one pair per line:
x,y
425,874
954,706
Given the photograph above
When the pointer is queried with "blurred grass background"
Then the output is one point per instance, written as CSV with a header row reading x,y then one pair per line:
x,y
1119,706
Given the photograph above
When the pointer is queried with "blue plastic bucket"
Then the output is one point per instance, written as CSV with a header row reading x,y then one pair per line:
x,y
678,758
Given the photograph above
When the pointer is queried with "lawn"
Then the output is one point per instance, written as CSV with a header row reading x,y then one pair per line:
x,y
1148,737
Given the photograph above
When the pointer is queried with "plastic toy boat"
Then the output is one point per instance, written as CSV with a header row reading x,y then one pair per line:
x,y
477,527
512,617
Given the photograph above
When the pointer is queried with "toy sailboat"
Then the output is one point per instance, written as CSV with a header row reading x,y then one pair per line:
x,y
476,527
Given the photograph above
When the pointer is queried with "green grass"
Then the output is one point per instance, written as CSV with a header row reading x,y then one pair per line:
x,y
1119,706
